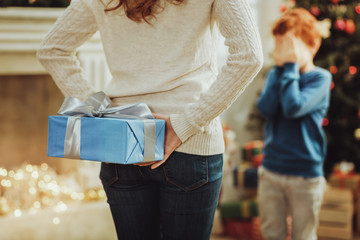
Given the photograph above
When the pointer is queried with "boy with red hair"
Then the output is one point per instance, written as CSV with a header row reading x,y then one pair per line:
x,y
294,101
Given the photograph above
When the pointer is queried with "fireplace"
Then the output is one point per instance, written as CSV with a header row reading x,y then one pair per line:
x,y
43,197
28,95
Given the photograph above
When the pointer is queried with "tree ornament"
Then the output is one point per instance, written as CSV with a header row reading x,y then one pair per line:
x,y
284,8
340,24
350,27
315,11
352,70
335,1
333,69
357,9
325,122
332,86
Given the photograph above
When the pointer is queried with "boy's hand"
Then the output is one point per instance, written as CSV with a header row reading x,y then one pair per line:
x,y
286,49
290,49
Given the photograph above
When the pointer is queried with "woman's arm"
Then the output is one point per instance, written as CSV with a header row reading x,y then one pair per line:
x,y
237,25
57,50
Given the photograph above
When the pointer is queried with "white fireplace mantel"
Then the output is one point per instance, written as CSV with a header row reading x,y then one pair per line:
x,y
21,31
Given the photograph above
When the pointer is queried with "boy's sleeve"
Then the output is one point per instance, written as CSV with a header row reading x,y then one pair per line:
x,y
268,101
298,101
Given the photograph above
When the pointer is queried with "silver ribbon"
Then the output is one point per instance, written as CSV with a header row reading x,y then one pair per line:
x,y
99,105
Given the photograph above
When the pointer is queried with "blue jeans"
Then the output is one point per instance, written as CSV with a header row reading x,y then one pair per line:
x,y
174,201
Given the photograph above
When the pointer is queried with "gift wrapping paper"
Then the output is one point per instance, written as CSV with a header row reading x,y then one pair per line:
x,y
106,139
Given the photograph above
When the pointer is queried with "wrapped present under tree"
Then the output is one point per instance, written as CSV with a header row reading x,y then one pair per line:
x,y
252,152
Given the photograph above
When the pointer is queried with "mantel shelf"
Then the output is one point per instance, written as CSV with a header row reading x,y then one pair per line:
x,y
21,32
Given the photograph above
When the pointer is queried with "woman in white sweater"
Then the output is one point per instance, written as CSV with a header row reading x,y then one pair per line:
x,y
162,52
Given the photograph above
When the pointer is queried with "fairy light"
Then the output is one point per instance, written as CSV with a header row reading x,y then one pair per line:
x,y
101,193
56,220
29,168
6,183
32,191
37,205
47,178
11,173
17,213
19,175
3,172
44,167
39,187
35,175
60,207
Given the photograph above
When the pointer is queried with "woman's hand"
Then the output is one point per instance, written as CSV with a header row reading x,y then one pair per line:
x,y
172,141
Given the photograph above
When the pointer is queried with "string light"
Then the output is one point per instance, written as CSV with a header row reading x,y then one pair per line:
x,y
56,220
39,187
17,213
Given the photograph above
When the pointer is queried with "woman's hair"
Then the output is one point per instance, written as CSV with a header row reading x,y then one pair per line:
x,y
302,22
138,10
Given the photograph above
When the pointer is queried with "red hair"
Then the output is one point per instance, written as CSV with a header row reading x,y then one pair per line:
x,y
302,22
138,10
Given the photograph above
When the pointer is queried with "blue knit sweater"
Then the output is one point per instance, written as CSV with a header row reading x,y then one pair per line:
x,y
294,105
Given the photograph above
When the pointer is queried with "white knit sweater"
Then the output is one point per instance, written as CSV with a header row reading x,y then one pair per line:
x,y
170,64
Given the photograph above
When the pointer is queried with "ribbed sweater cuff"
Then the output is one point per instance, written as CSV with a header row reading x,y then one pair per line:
x,y
182,127
291,67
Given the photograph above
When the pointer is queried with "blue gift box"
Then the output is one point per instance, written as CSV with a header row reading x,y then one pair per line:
x,y
113,140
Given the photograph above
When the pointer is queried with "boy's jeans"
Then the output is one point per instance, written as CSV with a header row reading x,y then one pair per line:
x,y
280,195
174,201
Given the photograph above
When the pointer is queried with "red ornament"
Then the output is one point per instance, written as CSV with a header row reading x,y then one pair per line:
x,y
315,10
340,24
325,122
352,70
332,85
335,1
333,69
284,8
357,9
350,26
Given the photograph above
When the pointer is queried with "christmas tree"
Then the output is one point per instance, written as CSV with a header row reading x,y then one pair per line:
x,y
339,22
34,3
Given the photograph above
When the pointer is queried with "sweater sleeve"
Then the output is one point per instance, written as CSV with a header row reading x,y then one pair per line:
x,y
268,101
296,100
57,50
237,25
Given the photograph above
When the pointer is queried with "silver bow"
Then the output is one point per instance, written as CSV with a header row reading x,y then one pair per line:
x,y
99,105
